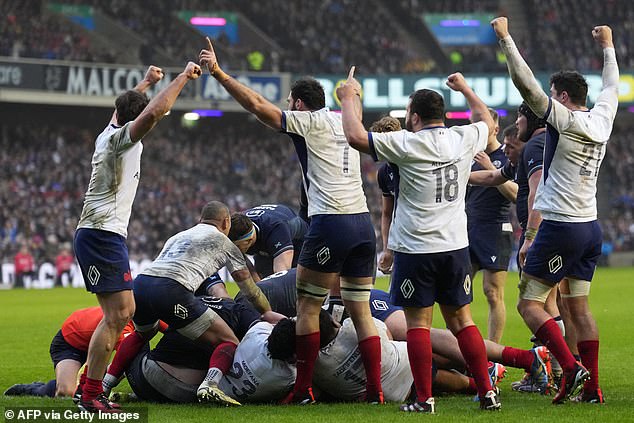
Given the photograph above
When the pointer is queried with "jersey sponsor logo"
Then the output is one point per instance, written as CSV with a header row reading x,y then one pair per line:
x,y
407,288
180,311
467,285
531,161
493,258
379,305
323,255
278,244
555,264
93,275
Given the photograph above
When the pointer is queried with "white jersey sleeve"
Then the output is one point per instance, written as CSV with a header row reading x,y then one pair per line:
x,y
116,169
254,375
330,167
191,256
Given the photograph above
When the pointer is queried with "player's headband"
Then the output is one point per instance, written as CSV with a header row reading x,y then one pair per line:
x,y
247,235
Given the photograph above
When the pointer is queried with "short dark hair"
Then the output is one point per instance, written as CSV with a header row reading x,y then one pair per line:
x,y
510,131
240,225
214,210
281,344
428,105
573,83
310,91
129,106
386,124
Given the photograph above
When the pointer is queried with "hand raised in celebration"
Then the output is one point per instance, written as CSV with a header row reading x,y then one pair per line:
x,y
349,88
192,71
154,74
603,35
207,57
501,27
456,82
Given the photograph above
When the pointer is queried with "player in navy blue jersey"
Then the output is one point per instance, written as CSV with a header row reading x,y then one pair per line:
x,y
526,172
387,178
273,233
490,231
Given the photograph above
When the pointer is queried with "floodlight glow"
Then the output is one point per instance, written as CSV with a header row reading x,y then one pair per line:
x,y
207,21
191,116
459,22
208,112
398,114
458,115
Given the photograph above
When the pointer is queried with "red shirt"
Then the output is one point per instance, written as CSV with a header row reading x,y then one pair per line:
x,y
63,263
78,328
23,263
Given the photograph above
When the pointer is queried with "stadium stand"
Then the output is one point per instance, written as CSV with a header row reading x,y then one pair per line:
x,y
44,171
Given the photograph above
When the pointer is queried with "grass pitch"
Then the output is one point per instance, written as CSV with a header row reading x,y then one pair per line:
x,y
29,320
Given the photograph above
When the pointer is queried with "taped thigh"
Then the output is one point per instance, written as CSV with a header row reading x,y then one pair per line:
x,y
355,292
577,288
307,289
533,290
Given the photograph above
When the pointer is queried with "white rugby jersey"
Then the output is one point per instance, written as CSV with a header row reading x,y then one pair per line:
x,y
255,376
116,168
339,368
331,168
434,166
191,256
574,149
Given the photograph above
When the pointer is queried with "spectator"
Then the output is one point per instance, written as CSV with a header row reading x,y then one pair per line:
x,y
24,267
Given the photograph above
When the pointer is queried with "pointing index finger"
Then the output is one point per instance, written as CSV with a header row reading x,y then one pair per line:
x,y
351,73
209,46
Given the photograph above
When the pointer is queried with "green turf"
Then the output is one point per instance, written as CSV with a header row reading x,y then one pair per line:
x,y
29,319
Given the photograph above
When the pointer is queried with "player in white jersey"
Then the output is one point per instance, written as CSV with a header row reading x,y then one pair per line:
x,y
259,373
165,291
429,231
568,242
99,242
336,206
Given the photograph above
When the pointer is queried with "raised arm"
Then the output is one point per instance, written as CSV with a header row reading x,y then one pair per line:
x,y
479,110
153,75
610,90
521,74
162,102
349,94
267,112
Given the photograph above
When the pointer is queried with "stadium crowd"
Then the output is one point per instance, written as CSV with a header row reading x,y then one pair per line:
x,y
310,43
43,170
